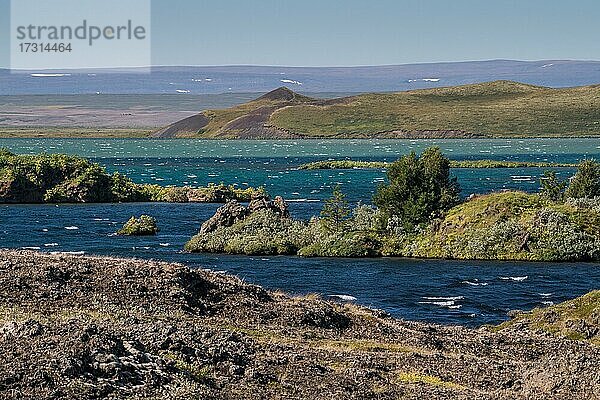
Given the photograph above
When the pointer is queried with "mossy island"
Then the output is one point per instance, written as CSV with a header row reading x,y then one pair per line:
x,y
419,213
145,225
471,164
59,178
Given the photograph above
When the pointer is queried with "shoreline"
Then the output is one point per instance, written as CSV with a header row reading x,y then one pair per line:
x,y
296,256
89,133
126,326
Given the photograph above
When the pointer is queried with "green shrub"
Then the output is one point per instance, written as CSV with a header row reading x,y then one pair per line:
x,y
60,178
351,244
335,211
552,188
261,233
419,189
124,189
586,182
507,226
366,218
585,203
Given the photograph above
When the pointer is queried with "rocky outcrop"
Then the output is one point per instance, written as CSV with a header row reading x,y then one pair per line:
x,y
226,215
89,328
193,124
233,212
263,202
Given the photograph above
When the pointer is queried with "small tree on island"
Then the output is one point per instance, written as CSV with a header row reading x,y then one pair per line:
x,y
552,188
419,189
335,210
586,182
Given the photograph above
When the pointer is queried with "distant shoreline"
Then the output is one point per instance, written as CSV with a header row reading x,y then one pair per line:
x,y
479,164
495,110
142,133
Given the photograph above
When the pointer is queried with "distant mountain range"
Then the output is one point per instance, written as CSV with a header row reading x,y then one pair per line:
x,y
256,79
491,109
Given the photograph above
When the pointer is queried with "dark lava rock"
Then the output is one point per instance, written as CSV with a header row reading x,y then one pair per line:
x,y
89,328
226,215
233,212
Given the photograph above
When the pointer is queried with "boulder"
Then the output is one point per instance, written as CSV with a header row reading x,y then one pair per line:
x,y
281,207
226,215
233,212
263,202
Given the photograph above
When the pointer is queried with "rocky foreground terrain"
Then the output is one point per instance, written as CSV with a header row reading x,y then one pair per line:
x,y
83,328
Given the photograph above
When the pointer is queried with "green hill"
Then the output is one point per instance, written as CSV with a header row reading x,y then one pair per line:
x,y
492,109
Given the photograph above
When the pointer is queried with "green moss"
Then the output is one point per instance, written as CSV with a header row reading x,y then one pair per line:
x,y
261,233
412,377
196,372
143,226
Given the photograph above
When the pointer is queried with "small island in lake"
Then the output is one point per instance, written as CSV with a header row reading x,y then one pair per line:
x,y
60,178
145,225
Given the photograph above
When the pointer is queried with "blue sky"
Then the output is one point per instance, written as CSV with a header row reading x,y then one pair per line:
x,y
356,32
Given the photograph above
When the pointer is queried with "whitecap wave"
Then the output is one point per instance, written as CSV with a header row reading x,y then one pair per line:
x,y
343,297
474,283
446,304
453,298
514,278
424,80
303,200
71,228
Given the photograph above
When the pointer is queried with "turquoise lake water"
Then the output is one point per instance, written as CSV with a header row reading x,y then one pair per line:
x,y
469,293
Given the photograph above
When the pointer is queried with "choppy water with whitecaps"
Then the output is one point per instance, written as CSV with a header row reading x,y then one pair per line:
x,y
455,292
